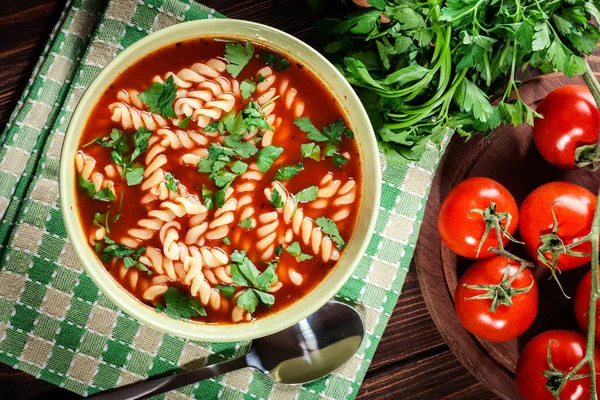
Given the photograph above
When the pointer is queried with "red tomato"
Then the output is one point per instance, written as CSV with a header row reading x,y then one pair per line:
x,y
571,119
507,322
567,348
462,229
581,304
574,209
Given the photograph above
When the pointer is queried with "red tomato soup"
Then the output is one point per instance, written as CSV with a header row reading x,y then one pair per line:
x,y
217,181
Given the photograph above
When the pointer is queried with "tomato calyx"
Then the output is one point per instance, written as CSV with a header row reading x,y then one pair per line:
x,y
556,380
501,293
493,220
588,156
553,244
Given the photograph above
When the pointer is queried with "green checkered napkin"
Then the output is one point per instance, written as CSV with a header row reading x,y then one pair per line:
x,y
56,324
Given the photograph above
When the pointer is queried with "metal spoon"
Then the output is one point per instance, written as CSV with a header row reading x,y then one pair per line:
x,y
309,350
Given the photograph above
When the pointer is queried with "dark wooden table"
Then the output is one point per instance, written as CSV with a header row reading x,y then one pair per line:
x,y
412,361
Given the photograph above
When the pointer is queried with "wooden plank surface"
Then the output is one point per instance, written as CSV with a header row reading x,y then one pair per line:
x,y
411,362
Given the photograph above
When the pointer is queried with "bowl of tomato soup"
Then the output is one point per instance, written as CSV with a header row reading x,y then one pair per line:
x,y
219,180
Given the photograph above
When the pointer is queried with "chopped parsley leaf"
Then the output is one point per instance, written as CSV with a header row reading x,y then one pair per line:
x,y
238,57
295,251
339,160
288,172
247,87
226,290
171,182
105,194
280,63
101,220
307,194
311,150
184,122
267,156
245,223
208,198
159,97
330,228
276,199
180,305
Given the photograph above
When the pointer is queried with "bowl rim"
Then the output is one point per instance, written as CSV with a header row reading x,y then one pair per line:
x,y
368,149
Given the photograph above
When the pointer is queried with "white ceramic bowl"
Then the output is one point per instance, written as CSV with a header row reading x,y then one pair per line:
x,y
357,119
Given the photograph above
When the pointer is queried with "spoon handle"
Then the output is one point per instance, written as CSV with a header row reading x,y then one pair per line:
x,y
153,387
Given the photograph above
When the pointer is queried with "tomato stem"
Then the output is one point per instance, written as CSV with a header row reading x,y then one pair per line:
x,y
594,295
593,238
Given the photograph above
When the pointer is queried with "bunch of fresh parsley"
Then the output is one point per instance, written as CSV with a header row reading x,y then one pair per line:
x,y
438,63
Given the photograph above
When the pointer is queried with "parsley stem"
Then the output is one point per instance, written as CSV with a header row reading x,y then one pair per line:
x,y
94,140
121,199
269,102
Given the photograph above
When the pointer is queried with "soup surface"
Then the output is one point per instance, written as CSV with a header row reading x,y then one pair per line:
x,y
217,180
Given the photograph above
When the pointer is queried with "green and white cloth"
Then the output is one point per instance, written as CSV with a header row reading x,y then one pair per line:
x,y
56,324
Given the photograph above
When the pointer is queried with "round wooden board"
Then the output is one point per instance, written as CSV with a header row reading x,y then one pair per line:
x,y
510,157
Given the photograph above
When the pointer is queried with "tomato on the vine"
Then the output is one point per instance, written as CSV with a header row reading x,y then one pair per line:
x,y
581,304
573,207
571,119
462,228
515,303
536,378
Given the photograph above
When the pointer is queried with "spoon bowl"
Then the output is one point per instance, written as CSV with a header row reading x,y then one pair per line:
x,y
304,352
312,348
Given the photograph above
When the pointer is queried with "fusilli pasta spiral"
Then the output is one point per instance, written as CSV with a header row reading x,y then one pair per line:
x,y
130,117
86,169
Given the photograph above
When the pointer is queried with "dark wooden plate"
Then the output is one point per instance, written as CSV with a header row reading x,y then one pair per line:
x,y
510,157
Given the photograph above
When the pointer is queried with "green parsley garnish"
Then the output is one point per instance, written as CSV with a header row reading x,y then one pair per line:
x,y
180,305
101,220
307,194
267,156
311,150
116,250
288,172
276,199
184,122
332,134
105,194
238,56
245,223
208,197
254,118
134,172
330,228
339,160
171,182
159,97
226,240
295,251
277,61
244,273
226,290
260,78
233,123
214,127
278,250
247,87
